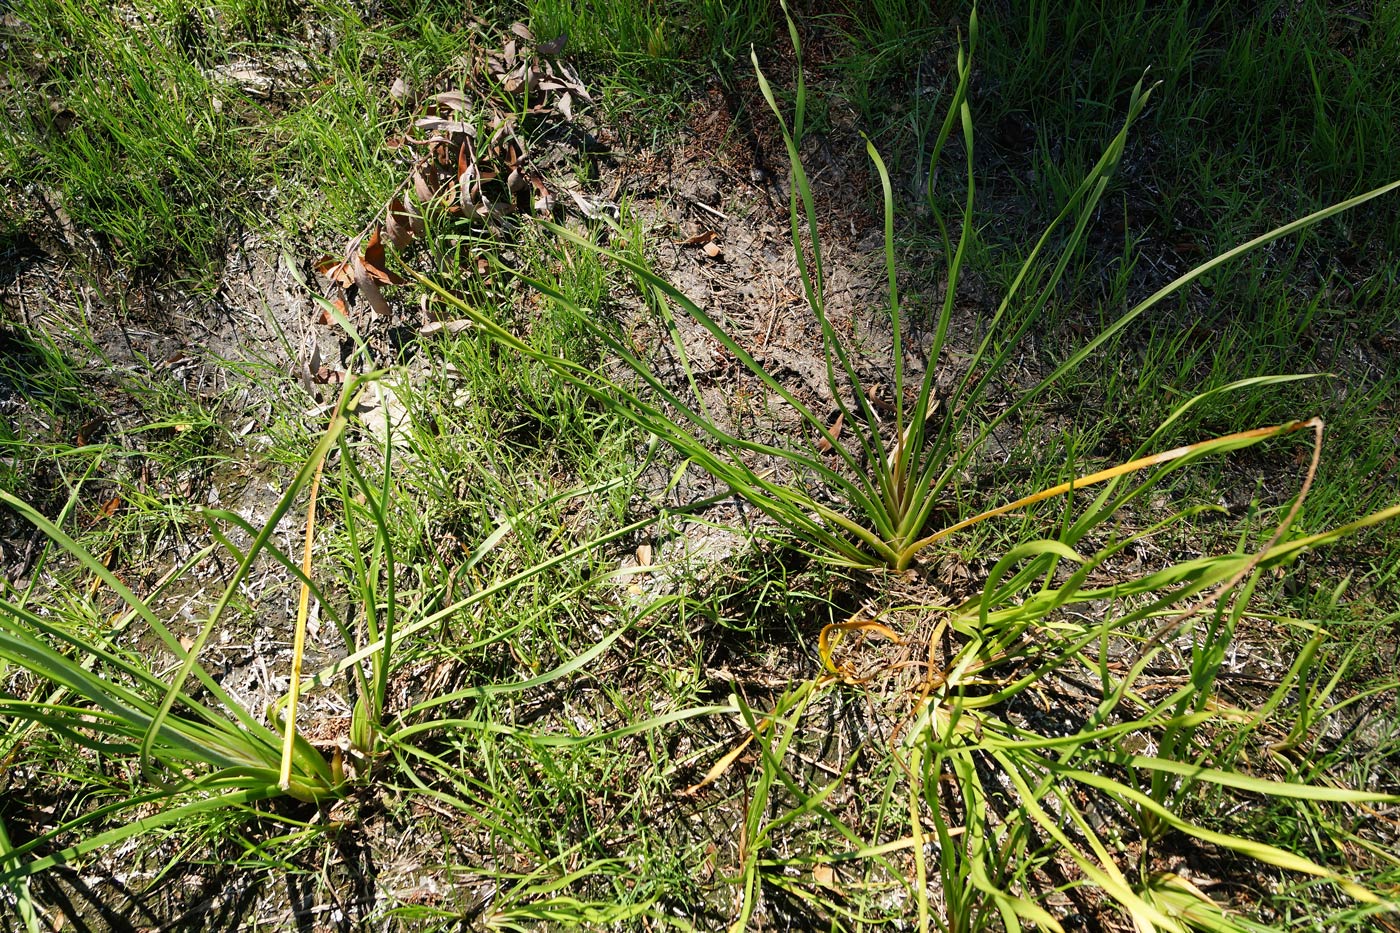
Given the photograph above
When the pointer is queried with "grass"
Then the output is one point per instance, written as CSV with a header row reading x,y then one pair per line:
x,y
551,673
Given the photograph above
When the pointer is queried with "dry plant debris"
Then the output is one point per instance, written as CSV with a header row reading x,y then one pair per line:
x,y
472,162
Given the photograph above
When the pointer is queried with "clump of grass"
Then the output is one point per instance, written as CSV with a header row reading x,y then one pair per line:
x,y
890,475
125,126
865,498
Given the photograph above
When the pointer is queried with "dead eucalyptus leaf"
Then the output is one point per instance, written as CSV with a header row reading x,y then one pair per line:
x,y
554,46
369,289
399,90
439,125
701,238
565,105
455,101
825,446
338,271
398,224
523,31
447,327
374,263
421,187
544,200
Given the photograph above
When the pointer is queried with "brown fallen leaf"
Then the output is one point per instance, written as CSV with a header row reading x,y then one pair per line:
x,y
373,262
523,31
553,46
700,239
452,100
369,288
399,90
825,446
711,249
444,327
544,200
324,317
399,224
338,271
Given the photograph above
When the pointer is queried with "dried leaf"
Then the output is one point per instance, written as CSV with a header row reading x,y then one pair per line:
x,y
711,249
448,327
523,31
369,289
453,100
374,263
644,555
439,125
700,239
824,445
421,188
398,224
325,316
544,200
337,270
565,105
509,51
554,46
399,89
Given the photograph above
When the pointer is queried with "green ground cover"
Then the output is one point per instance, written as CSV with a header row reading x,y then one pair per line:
x,y
536,571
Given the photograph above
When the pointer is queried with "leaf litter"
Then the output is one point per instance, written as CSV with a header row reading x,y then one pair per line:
x,y
471,165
